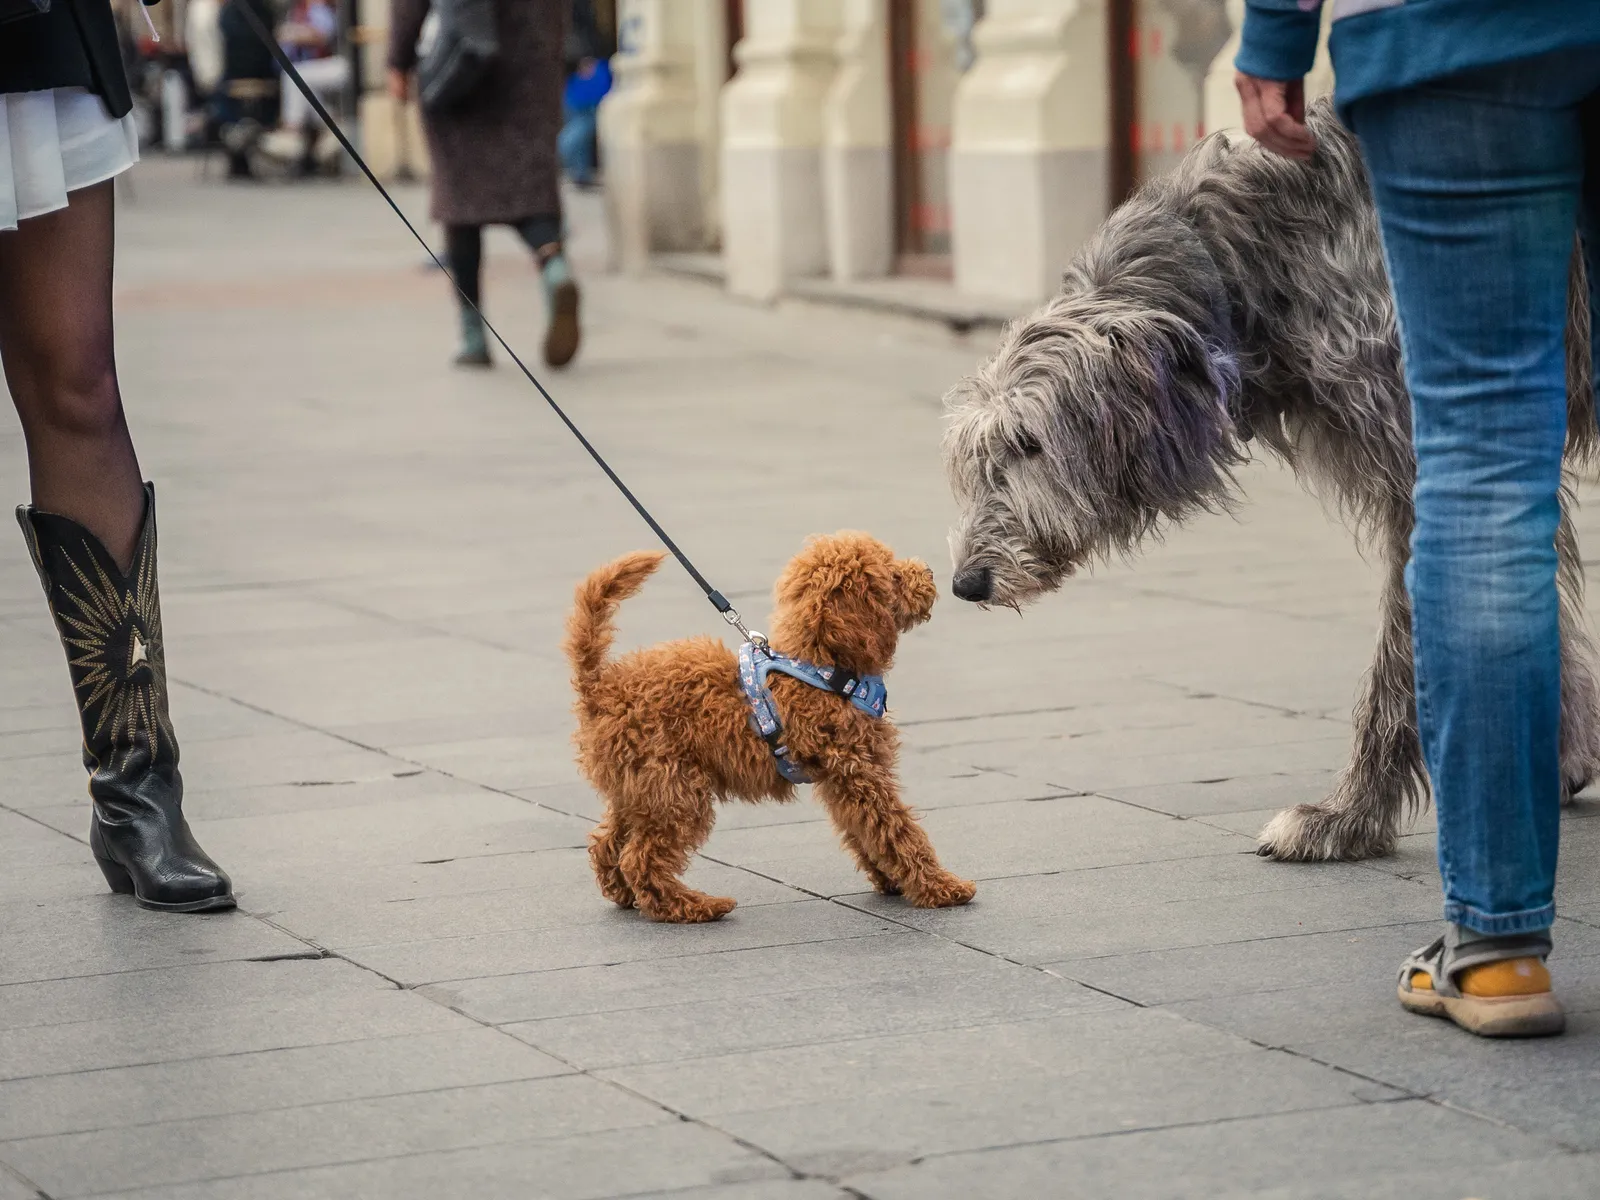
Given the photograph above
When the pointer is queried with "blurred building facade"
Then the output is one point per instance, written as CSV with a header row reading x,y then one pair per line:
x,y
975,141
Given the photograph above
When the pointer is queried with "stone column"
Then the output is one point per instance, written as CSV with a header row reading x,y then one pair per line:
x,y
1029,154
710,73
857,155
773,227
648,133
1221,97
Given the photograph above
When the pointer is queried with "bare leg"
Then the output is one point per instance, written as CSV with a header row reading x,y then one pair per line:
x,y
60,365
889,842
1385,776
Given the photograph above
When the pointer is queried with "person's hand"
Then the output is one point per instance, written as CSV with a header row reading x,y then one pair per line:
x,y
1275,114
399,84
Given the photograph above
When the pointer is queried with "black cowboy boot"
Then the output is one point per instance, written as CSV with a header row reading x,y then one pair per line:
x,y
110,625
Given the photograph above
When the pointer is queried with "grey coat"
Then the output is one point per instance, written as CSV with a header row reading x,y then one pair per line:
x,y
494,158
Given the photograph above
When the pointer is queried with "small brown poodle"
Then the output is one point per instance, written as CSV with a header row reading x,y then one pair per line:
x,y
665,731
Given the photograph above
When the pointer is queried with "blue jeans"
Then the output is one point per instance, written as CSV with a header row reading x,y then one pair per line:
x,y
1480,183
576,143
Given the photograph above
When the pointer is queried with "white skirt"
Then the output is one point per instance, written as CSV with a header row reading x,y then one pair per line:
x,y
55,142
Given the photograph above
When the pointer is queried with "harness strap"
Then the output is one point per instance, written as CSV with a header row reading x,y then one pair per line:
x,y
865,692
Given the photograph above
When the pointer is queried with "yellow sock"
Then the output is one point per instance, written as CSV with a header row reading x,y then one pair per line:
x,y
1509,977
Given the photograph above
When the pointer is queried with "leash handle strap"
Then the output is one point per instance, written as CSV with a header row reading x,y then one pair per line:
x,y
259,28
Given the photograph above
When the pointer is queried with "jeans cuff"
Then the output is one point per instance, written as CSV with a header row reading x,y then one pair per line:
x,y
1531,920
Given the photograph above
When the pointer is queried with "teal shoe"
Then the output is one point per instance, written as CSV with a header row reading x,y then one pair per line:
x,y
474,350
561,304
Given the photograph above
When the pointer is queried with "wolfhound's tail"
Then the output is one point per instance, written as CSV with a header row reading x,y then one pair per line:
x,y
590,629
1583,436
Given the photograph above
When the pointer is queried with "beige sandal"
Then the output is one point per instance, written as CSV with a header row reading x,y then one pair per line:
x,y
1493,987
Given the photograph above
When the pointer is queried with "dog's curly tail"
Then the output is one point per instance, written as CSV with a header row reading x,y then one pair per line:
x,y
590,628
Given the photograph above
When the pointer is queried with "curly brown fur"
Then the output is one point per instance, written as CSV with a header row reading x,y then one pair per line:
x,y
664,732
1241,299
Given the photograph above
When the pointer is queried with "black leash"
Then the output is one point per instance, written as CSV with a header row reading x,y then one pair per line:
x,y
718,600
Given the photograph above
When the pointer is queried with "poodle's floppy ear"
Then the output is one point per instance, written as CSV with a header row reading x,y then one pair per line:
x,y
838,601
916,593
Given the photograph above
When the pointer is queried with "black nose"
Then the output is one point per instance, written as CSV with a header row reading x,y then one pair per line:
x,y
975,584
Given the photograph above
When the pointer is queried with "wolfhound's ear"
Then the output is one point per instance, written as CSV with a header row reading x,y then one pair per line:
x,y
1174,368
1175,430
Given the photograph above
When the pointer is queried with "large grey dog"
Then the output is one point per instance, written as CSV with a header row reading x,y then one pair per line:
x,y
1240,301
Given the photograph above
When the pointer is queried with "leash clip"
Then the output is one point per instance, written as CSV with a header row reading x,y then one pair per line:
x,y
753,636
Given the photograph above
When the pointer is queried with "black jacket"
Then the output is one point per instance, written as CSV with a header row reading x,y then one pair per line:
x,y
73,45
243,55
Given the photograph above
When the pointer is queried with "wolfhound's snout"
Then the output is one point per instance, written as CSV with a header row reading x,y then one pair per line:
x,y
973,583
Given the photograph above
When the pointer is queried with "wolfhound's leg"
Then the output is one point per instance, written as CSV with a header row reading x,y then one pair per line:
x,y
1385,775
1580,694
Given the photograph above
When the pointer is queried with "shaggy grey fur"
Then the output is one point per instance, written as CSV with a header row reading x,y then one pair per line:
x,y
1240,300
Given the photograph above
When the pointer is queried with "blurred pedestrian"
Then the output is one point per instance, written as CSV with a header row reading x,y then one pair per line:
x,y
91,529
586,87
588,80
249,97
493,158
310,37
1480,125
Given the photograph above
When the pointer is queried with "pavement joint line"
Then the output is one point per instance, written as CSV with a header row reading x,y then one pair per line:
x,y
1210,602
1487,1119
1193,693
414,625
1015,712
356,1162
699,953
39,1192
622,962
324,952
226,1054
1160,812
277,1108
27,816
745,1143
1106,1134
1269,937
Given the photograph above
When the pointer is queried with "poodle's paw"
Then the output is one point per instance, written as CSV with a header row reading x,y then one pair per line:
x,y
1320,833
881,883
615,888
941,891
691,908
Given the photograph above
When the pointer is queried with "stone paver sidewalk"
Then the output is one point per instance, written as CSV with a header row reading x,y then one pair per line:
x,y
366,561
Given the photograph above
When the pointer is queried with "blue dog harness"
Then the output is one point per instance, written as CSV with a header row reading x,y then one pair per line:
x,y
757,661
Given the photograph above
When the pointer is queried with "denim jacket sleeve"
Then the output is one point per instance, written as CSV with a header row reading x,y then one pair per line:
x,y
1279,39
